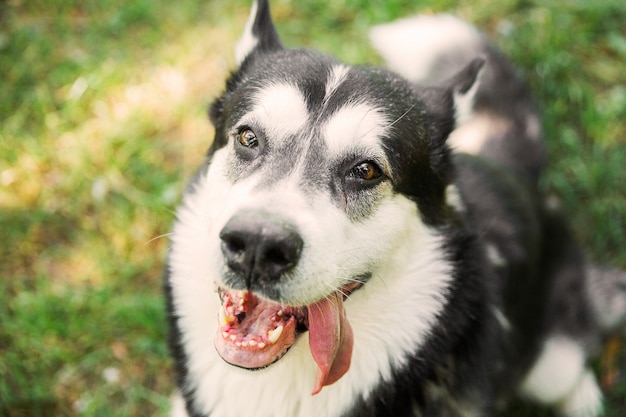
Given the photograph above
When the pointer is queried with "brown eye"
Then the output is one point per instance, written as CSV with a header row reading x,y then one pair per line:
x,y
367,171
247,138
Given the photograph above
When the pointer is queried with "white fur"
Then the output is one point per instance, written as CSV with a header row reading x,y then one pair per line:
x,y
472,135
585,400
247,42
280,109
357,123
494,255
412,46
336,249
410,275
464,102
177,406
557,371
454,198
336,77
608,303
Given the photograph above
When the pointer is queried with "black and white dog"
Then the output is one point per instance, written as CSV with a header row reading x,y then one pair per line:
x,y
372,242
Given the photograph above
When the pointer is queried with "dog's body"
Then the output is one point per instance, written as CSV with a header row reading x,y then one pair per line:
x,y
333,243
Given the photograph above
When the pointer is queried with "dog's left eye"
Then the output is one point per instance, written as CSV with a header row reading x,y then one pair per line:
x,y
247,138
366,171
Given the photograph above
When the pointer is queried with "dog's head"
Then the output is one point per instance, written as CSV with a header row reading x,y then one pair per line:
x,y
318,174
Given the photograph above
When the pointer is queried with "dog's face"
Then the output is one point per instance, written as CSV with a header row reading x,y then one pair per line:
x,y
306,161
319,175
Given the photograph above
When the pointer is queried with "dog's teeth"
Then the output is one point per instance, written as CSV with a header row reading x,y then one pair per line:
x,y
252,343
273,335
280,313
238,344
225,318
222,317
225,335
261,345
233,337
244,343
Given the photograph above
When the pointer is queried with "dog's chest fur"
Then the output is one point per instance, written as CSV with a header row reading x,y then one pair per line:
x,y
390,316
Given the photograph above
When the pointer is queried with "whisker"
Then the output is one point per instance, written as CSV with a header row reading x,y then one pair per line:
x,y
343,294
158,237
402,116
395,121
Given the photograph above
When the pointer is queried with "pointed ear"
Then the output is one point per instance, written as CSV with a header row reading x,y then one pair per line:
x,y
259,33
451,103
464,86
448,105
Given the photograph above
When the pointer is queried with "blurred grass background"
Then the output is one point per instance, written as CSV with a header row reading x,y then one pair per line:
x,y
102,119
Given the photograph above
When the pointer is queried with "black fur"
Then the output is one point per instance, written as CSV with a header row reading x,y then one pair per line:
x,y
469,361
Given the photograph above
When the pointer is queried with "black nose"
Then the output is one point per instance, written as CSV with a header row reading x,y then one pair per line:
x,y
260,247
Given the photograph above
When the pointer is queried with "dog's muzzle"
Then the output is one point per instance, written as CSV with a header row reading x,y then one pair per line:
x,y
255,329
259,247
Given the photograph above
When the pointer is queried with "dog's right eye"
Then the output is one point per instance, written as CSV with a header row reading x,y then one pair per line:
x,y
366,174
366,171
247,138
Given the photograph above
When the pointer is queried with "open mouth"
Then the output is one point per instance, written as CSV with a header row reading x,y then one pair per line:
x,y
254,332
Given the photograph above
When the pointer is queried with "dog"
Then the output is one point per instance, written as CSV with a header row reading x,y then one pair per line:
x,y
364,241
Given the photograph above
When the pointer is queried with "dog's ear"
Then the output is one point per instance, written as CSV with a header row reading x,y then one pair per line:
x,y
448,105
259,34
451,103
464,86
259,37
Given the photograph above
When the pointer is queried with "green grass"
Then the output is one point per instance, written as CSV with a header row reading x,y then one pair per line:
x,y
102,118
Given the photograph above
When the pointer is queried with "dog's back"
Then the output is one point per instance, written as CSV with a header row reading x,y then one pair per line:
x,y
555,304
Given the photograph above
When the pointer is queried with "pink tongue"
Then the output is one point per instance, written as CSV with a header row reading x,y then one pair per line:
x,y
330,339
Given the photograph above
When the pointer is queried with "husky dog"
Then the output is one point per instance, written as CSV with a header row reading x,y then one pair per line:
x,y
372,242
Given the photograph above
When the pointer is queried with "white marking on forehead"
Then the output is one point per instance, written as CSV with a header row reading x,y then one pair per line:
x,y
336,77
357,124
281,109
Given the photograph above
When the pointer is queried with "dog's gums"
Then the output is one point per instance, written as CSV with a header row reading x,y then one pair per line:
x,y
254,333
